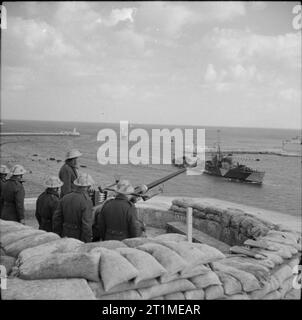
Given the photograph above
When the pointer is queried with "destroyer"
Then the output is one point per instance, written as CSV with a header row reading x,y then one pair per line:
x,y
222,165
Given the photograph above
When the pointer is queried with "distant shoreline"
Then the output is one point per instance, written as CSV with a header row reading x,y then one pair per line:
x,y
153,124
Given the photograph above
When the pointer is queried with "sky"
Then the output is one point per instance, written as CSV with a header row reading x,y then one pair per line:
x,y
190,63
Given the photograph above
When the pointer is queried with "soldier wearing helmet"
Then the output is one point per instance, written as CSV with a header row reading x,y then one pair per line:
x,y
117,220
3,174
73,217
13,195
48,202
68,172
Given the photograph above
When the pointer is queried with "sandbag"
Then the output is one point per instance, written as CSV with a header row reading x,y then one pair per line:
x,y
175,296
178,209
194,271
13,237
261,243
166,288
267,263
283,273
148,267
248,281
31,241
61,265
4,230
123,295
99,291
8,262
293,294
197,294
135,242
210,254
177,237
290,250
167,277
183,202
194,253
114,268
273,256
286,286
275,295
283,241
242,296
230,284
110,244
213,292
205,280
245,251
61,245
169,259
260,272
55,289
293,236
271,286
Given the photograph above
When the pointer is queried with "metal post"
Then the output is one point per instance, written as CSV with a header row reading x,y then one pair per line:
x,y
189,224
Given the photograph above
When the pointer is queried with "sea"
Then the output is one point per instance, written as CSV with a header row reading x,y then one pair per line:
x,y
280,191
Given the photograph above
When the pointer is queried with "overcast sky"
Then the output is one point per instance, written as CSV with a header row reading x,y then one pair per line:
x,y
219,63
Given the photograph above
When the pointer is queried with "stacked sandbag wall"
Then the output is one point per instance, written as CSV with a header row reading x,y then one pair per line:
x,y
164,267
229,225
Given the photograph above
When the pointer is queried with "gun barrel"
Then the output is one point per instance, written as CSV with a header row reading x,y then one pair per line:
x,y
164,179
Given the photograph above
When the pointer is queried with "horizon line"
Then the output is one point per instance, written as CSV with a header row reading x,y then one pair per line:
x,y
158,124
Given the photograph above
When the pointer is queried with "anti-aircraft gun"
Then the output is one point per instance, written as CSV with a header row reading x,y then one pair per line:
x,y
144,192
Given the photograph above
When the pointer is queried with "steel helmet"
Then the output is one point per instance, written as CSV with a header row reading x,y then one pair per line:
x,y
53,182
4,169
124,187
17,170
84,180
73,153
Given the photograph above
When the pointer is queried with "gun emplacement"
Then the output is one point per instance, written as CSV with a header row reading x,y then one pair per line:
x,y
140,191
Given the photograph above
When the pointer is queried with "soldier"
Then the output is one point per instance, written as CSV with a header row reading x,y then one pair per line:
x,y
73,217
48,202
68,172
13,196
117,220
3,174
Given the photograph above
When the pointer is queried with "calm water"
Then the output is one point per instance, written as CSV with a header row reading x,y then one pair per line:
x,y
281,190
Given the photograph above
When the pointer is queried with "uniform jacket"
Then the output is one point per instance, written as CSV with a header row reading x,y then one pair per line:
x,y
117,220
73,217
2,182
13,200
46,205
67,175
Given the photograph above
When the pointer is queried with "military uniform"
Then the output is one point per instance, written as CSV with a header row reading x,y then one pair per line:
x,y
117,220
67,174
46,205
73,217
13,195
2,182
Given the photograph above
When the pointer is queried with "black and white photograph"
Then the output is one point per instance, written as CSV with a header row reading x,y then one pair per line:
x,y
150,152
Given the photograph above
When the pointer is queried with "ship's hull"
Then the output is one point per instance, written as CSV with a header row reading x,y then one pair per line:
x,y
237,174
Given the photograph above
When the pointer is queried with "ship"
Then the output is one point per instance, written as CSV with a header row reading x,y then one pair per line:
x,y
222,165
293,145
